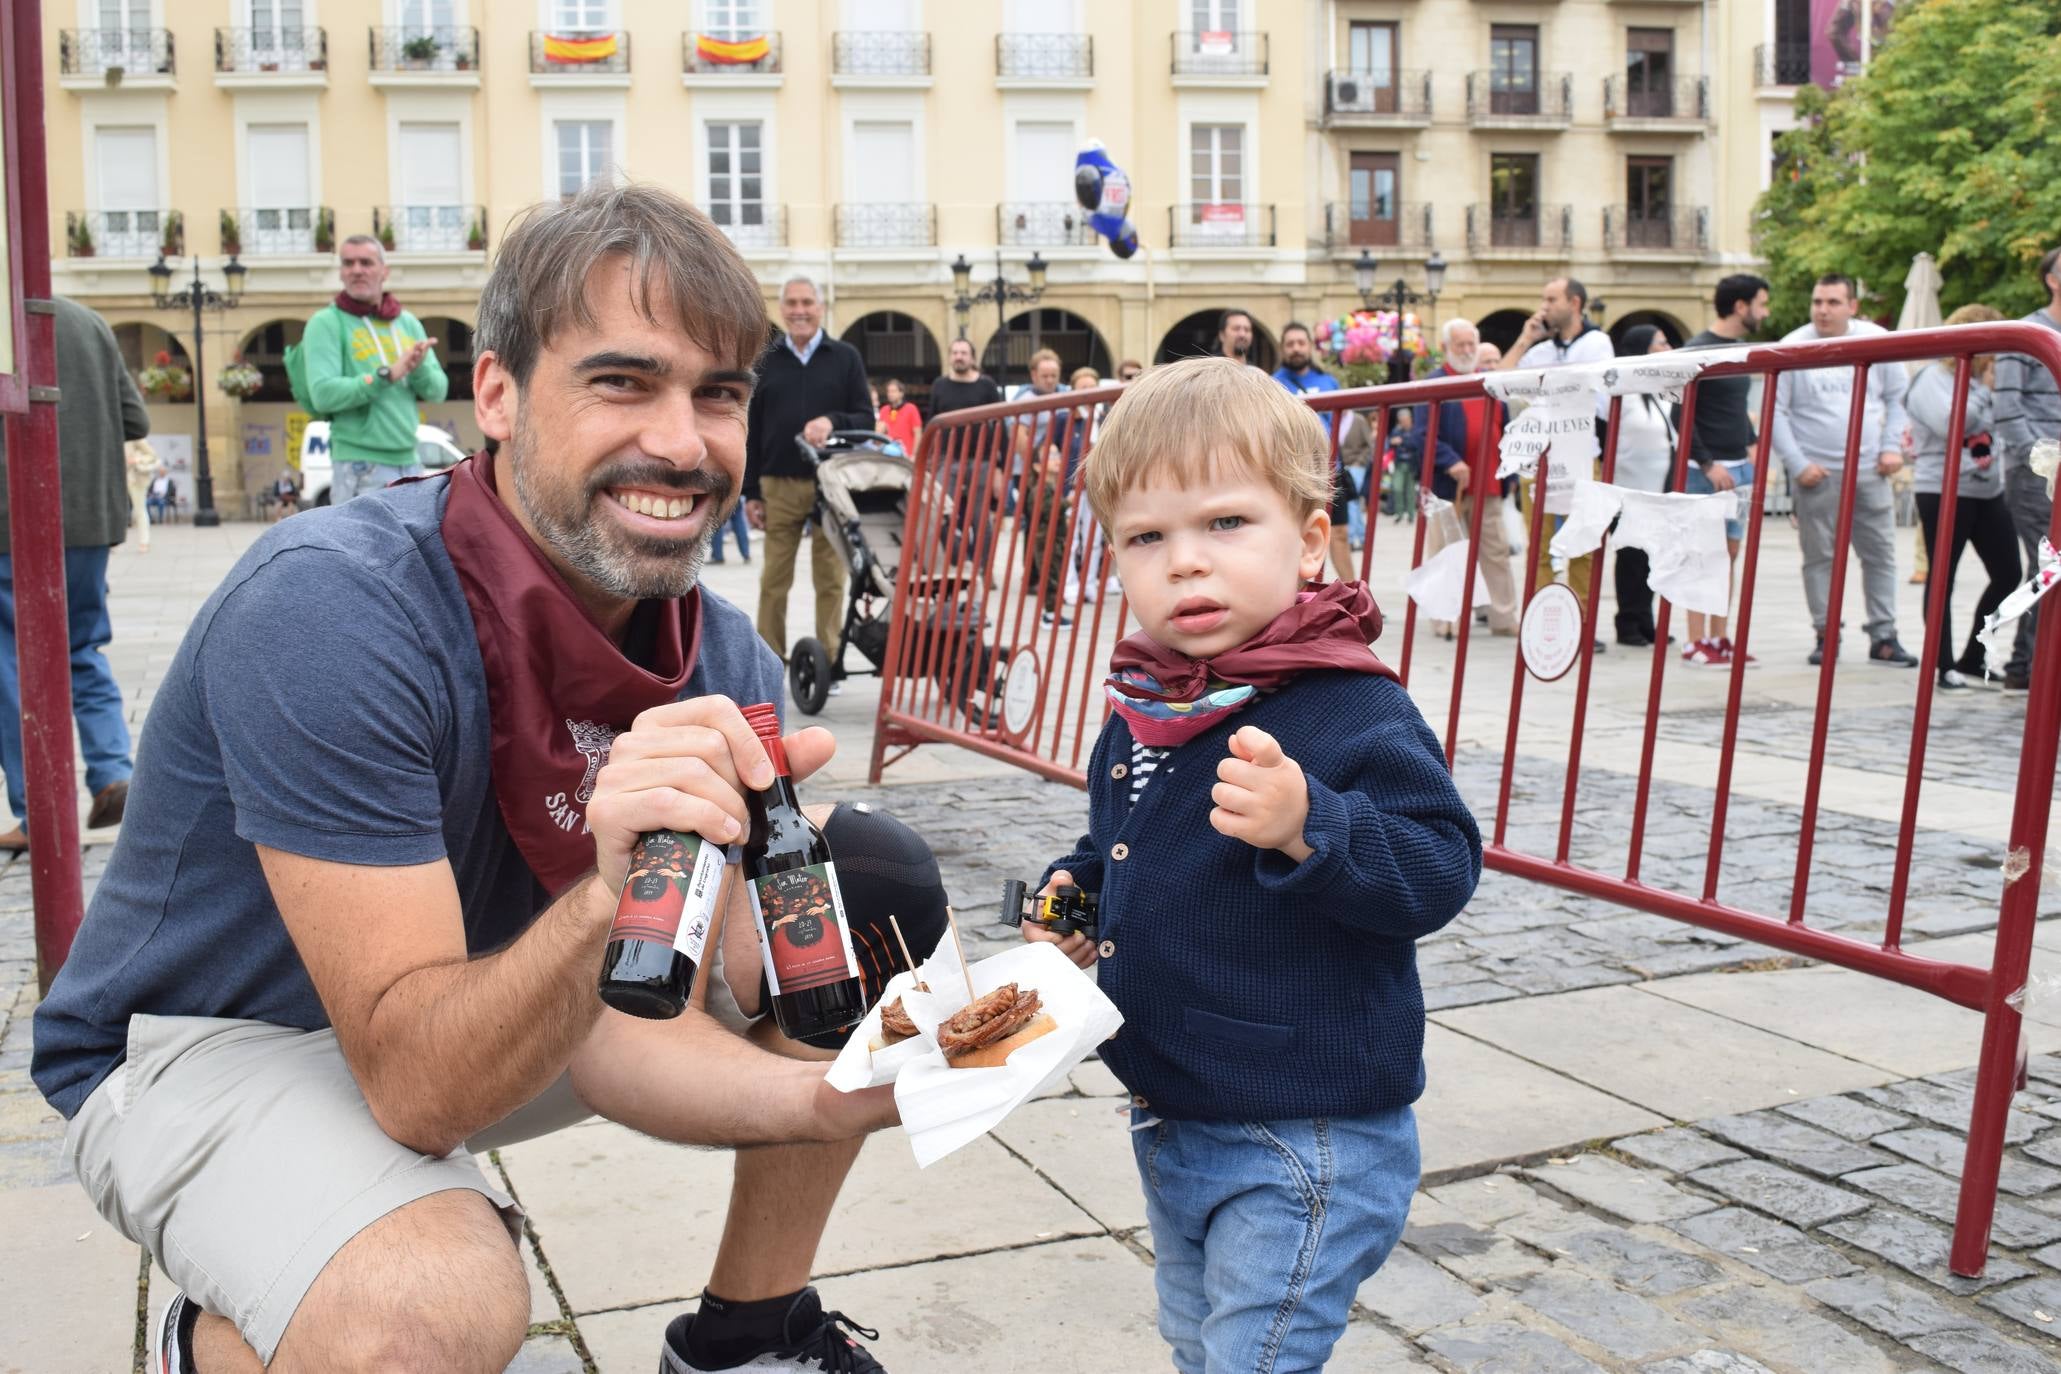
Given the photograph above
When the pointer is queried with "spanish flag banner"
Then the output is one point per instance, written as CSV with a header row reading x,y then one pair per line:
x,y
735,52
584,48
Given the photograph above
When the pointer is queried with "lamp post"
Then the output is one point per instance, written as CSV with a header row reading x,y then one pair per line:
x,y
1002,292
1366,268
199,297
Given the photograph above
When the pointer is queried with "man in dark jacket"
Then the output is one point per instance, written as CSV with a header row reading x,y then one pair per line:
x,y
809,385
101,410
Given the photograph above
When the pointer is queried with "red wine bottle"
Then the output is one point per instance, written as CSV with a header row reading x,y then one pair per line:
x,y
661,924
792,880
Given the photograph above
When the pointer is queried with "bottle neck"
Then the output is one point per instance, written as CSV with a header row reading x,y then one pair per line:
x,y
776,751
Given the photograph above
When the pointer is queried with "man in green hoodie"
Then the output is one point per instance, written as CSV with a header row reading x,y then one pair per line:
x,y
369,365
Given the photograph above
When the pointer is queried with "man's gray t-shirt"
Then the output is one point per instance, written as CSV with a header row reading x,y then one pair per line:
x,y
327,701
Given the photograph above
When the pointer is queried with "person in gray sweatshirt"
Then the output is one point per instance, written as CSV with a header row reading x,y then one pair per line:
x,y
1981,517
2028,409
1809,438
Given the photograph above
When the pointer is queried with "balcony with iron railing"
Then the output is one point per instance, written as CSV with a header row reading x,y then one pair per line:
x,y
1780,65
419,56
1406,234
430,228
1677,231
880,57
1044,57
90,59
1220,225
750,224
715,58
1657,106
1043,224
123,233
601,57
905,225
1377,99
271,57
1547,103
1547,232
1209,56
278,231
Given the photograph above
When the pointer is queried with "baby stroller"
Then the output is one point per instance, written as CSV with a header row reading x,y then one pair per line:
x,y
863,480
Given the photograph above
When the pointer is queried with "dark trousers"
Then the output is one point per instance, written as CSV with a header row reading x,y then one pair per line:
x,y
2025,494
1634,597
1047,538
1985,523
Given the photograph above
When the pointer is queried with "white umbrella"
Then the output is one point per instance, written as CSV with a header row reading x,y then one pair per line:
x,y
1921,295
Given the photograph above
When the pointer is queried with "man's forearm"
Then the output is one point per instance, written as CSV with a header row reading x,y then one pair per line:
x,y
458,1046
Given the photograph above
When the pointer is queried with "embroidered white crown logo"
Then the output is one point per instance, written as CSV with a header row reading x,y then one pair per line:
x,y
593,740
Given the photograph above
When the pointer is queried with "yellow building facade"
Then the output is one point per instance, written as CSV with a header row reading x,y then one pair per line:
x,y
870,144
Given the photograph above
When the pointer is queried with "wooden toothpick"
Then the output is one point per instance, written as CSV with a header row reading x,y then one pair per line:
x,y
907,957
965,971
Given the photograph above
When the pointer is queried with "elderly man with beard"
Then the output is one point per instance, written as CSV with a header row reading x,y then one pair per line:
x,y
316,980
1459,437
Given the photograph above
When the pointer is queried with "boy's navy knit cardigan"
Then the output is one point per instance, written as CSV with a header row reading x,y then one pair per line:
x,y
1254,988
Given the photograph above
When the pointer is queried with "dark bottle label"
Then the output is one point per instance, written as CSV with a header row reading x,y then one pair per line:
x,y
670,894
803,933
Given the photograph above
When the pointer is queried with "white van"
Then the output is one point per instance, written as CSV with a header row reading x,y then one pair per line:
x,y
433,449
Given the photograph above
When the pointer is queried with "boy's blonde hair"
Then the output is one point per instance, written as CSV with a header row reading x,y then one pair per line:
x,y
1201,417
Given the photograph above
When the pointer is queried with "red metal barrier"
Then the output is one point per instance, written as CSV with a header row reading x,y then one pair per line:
x,y
948,676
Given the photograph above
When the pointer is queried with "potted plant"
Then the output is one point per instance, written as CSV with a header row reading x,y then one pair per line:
x,y
420,50
165,380
386,236
79,240
172,239
325,230
476,237
240,379
464,58
231,234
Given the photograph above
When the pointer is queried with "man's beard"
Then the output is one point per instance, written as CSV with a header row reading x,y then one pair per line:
x,y
1296,364
619,562
1460,369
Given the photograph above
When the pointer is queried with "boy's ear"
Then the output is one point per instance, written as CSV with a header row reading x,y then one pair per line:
x,y
1316,543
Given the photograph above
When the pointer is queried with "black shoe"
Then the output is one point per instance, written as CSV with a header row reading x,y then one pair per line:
x,y
1599,646
2016,684
811,1341
1818,654
1054,618
1953,680
1891,654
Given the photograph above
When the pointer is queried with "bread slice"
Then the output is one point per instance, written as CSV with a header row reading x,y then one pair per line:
x,y
995,1055
884,1039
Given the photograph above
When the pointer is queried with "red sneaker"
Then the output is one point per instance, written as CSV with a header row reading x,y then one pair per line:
x,y
1705,653
1725,647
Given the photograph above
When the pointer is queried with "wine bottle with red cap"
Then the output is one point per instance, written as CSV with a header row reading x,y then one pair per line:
x,y
661,924
789,873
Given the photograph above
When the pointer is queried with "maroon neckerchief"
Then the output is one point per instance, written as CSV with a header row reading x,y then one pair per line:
x,y
559,689
1330,627
387,309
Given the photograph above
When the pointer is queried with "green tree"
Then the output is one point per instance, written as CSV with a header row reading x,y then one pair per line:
x,y
1950,143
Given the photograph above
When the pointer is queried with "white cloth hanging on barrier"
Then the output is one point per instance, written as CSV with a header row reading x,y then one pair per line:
x,y
2000,630
1438,585
1683,536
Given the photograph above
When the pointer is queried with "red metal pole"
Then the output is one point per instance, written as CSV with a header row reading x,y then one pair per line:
x,y
36,522
1635,849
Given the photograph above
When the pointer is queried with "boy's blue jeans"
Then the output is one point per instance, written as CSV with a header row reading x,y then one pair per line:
x,y
1262,1232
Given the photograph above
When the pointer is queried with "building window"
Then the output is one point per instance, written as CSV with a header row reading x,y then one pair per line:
x,y
1216,165
1214,16
1649,73
427,16
580,16
733,19
1371,51
433,215
1649,202
126,161
282,213
1514,69
279,35
736,174
124,14
1375,209
585,151
1514,200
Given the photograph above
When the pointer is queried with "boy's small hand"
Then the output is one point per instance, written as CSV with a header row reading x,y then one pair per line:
x,y
1076,946
1261,795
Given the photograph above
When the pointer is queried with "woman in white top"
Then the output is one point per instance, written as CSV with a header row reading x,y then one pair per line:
x,y
1645,458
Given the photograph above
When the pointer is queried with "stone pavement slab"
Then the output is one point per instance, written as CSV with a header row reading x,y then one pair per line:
x,y
1083,1146
1483,1106
67,1285
624,1219
1668,1057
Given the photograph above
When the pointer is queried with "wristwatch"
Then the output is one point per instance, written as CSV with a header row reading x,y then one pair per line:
x,y
386,374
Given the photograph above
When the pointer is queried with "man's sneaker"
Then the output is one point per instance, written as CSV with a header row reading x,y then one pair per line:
x,y
2016,684
1704,653
1891,654
1048,618
1818,654
810,1341
175,1336
836,689
1952,681
1726,648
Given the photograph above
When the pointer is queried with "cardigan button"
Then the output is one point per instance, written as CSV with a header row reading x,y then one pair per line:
x,y
1107,949
1119,852
1120,771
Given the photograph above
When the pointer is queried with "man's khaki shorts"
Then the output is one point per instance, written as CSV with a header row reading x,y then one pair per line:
x,y
242,1156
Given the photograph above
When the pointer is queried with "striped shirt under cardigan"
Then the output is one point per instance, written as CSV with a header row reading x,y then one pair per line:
x,y
1254,988
2027,406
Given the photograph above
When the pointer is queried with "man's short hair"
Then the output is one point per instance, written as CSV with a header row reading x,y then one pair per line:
x,y
2050,265
1043,355
1458,322
806,280
1573,287
1296,327
1224,320
1853,288
539,281
1202,417
1129,362
377,246
1740,286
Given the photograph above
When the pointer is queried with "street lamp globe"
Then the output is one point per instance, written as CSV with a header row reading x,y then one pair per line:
x,y
233,273
1363,273
1435,273
962,274
1037,272
160,283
